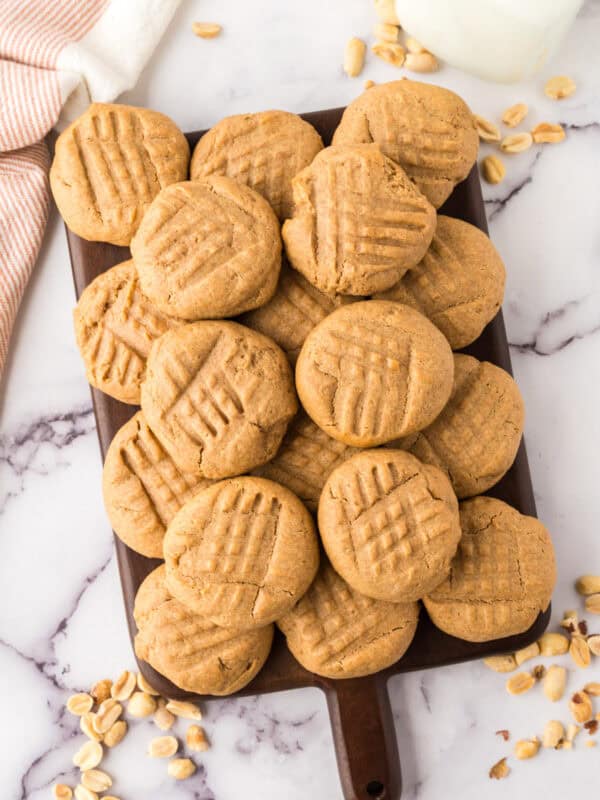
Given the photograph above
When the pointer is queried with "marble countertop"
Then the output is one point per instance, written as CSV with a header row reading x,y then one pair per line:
x,y
61,619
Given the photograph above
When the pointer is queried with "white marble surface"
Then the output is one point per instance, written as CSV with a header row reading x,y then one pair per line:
x,y
61,619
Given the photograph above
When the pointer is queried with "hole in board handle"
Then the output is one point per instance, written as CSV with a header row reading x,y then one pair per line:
x,y
376,789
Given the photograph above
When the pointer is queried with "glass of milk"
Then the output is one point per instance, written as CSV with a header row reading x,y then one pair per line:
x,y
501,40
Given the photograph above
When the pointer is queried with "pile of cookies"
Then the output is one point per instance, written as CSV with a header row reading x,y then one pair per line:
x,y
325,501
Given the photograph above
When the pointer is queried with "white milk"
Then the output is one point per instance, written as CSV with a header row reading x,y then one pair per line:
x,y
502,40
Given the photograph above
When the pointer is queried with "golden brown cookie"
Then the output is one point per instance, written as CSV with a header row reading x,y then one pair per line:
x,y
458,285
263,151
293,311
241,552
476,437
218,396
358,224
501,578
373,368
336,632
115,326
426,129
208,249
306,457
143,488
389,524
109,165
190,651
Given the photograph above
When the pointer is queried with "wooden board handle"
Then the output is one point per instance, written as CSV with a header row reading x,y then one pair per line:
x,y
364,738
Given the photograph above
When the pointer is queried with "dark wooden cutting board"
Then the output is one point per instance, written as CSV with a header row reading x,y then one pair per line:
x,y
360,712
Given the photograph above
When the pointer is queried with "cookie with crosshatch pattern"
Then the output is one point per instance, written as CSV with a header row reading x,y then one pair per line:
x,y
476,437
371,369
143,488
188,649
426,129
110,164
389,524
218,396
306,457
263,151
337,632
293,311
501,578
115,327
358,224
241,552
459,283
208,249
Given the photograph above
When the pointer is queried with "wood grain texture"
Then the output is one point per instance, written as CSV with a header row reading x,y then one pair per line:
x,y
362,724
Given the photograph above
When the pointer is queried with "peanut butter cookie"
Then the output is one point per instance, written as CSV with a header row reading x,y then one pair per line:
x,y
476,437
263,151
426,129
143,488
372,368
501,577
115,326
336,632
389,524
459,284
218,396
110,164
190,651
241,552
293,311
208,249
358,224
306,457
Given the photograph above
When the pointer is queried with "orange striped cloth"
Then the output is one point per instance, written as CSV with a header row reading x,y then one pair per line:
x,y
52,53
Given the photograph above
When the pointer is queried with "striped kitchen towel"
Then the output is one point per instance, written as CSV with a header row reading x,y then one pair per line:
x,y
56,56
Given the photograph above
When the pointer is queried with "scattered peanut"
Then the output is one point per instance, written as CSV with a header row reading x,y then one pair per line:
x,y
526,653
538,672
106,716
516,142
527,748
580,706
386,11
555,681
548,133
206,30
520,683
61,791
588,584
393,54
499,770
88,756
504,663
195,738
163,719
79,704
413,46
368,84
594,644
86,723
123,687
515,114
144,686
82,793
100,691
354,57
96,780
554,733
163,747
559,87
580,652
493,169
592,603
181,768
572,731
184,709
553,644
488,132
593,689
569,620
115,734
421,62
141,705
386,32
